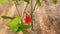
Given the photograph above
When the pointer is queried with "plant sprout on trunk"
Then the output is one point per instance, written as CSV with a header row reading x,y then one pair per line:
x,y
25,18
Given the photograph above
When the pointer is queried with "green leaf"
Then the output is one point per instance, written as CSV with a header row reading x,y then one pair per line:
x,y
22,28
4,2
28,1
38,2
7,17
14,22
15,29
16,26
24,31
54,1
16,1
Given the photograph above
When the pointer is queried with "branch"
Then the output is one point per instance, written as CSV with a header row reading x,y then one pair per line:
x,y
34,6
24,13
31,15
25,10
32,11
17,9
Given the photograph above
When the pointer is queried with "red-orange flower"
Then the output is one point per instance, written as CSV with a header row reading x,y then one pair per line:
x,y
27,19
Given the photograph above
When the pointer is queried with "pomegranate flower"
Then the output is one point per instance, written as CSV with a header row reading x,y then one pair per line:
x,y
27,19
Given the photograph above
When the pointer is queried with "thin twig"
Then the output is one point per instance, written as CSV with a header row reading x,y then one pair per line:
x,y
34,6
25,10
32,11
31,15
17,9
24,13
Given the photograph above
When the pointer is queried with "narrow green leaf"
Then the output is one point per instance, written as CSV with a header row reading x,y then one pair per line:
x,y
54,1
38,2
14,22
28,1
7,17
4,2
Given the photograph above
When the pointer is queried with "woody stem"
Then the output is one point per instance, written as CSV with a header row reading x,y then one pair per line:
x,y
17,9
31,15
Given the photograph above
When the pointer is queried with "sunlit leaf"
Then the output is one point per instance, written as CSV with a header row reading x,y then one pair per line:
x,y
14,22
16,29
27,1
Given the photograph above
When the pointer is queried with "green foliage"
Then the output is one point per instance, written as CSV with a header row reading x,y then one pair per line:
x,y
23,29
15,29
28,1
7,17
16,26
54,1
16,1
38,2
14,22
4,2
